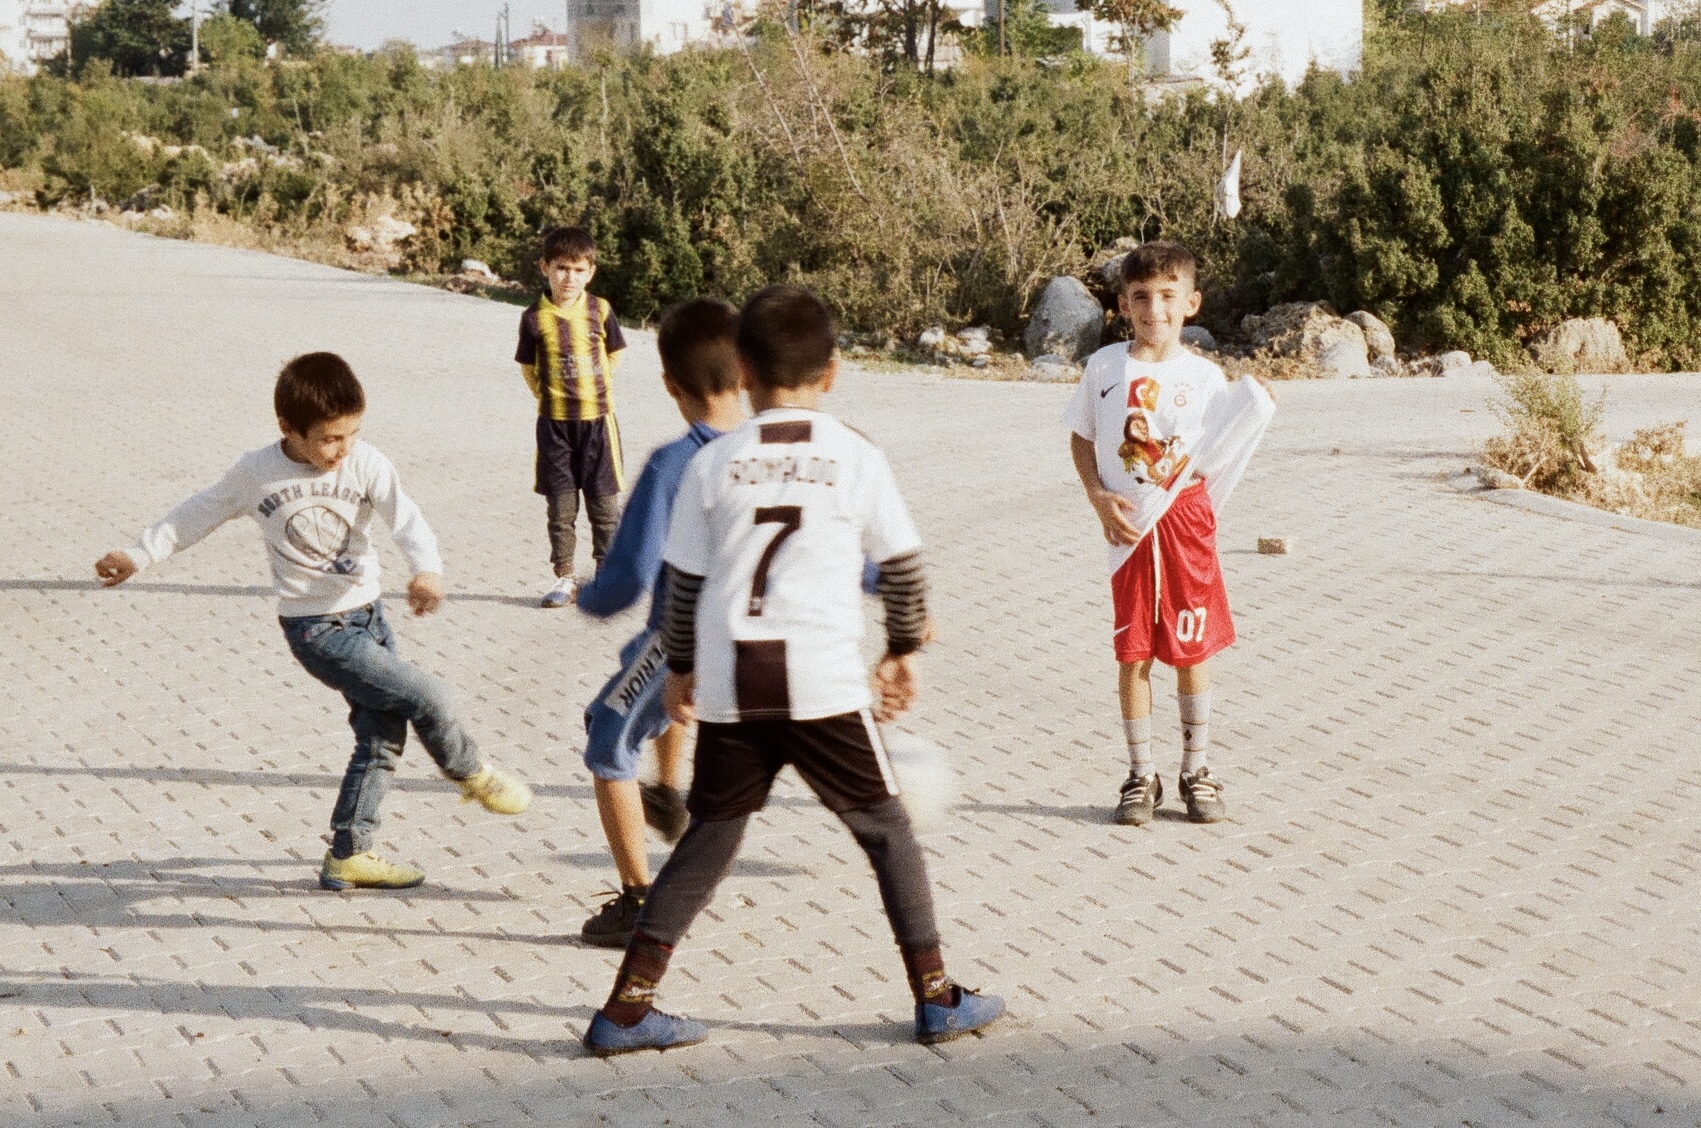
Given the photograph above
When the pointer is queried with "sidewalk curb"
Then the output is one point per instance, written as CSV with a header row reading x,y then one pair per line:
x,y
1468,483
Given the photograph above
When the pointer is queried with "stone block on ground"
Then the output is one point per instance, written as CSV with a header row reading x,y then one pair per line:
x,y
1067,321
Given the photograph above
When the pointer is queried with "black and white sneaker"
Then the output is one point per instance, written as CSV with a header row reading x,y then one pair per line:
x,y
612,925
1141,796
1203,794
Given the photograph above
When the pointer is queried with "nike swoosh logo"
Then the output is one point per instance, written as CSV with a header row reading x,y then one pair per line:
x,y
1107,391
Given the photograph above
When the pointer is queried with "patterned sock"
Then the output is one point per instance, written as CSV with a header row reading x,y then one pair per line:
x,y
928,981
1195,729
1139,732
635,986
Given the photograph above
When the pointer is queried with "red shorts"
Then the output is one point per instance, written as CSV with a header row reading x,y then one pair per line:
x,y
1177,611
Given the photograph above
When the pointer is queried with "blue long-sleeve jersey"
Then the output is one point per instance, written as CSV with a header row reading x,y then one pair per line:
x,y
633,564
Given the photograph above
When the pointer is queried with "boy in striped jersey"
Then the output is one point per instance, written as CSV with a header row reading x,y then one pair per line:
x,y
570,344
761,626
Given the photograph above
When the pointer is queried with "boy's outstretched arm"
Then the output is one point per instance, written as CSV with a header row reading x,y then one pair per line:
x,y
188,523
1114,511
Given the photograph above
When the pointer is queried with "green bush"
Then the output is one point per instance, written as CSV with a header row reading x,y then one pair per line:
x,y
1479,181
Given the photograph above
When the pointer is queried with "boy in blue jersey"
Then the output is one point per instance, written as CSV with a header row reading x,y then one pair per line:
x,y
700,371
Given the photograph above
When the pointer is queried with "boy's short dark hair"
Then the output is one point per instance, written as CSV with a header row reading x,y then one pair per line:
x,y
786,335
695,340
316,387
1161,259
570,243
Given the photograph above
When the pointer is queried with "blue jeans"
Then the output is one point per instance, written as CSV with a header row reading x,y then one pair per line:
x,y
354,653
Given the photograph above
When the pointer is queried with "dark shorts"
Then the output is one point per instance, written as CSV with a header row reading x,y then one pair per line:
x,y
579,455
841,758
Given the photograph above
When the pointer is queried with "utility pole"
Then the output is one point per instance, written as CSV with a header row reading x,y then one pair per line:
x,y
194,38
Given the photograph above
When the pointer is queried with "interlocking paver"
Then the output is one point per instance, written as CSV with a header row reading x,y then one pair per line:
x,y
1458,886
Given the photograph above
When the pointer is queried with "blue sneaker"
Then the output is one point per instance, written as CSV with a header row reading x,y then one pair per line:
x,y
657,1031
934,1023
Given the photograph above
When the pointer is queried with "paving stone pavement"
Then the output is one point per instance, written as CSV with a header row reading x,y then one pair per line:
x,y
1459,886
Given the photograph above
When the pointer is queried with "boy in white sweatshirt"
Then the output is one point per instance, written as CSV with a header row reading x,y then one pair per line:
x,y
313,494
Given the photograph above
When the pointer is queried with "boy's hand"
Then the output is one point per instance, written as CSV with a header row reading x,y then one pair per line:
x,y
425,593
1116,514
897,682
115,568
679,698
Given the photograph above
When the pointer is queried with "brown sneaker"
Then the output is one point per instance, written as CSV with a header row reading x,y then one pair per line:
x,y
1203,794
1141,796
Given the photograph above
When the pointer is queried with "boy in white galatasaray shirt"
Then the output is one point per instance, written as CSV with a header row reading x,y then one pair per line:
x,y
314,495
761,624
1159,440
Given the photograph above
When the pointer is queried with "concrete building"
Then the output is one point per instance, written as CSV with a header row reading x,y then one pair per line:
x,y
33,31
1644,15
665,25
1285,36
541,50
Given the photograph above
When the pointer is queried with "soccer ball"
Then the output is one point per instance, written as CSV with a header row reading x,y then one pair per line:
x,y
925,784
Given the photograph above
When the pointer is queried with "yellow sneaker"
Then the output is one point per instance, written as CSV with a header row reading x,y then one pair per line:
x,y
367,871
499,791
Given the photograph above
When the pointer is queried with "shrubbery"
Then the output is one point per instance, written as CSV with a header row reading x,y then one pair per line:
x,y
1479,181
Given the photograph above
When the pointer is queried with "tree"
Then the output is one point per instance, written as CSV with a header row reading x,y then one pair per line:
x,y
1139,21
294,25
137,37
226,39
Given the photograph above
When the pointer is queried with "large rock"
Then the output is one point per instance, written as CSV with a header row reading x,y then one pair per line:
x,y
1067,321
1378,338
1053,370
1310,332
1198,337
1583,344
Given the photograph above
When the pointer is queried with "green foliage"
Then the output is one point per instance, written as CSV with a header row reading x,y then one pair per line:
x,y
228,40
1024,30
134,37
1478,182
295,25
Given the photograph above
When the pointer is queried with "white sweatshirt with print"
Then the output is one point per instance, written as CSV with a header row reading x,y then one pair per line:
x,y
317,525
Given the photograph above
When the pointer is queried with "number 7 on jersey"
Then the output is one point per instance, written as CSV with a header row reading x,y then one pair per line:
x,y
790,519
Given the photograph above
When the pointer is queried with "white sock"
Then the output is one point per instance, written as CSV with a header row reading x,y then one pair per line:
x,y
1139,732
1195,729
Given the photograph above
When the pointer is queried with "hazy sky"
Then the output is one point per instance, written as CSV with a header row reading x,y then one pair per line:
x,y
432,23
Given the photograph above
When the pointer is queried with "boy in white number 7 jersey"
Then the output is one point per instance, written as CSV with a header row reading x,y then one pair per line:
x,y
1159,439
761,623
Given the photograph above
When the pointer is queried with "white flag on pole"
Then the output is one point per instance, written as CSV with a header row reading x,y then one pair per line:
x,y
1228,190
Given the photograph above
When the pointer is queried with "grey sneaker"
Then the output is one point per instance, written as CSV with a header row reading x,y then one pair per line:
x,y
664,809
612,925
1141,796
1203,794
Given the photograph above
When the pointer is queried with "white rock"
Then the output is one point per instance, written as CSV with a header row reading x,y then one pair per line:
x,y
1387,366
1450,362
981,360
162,212
977,346
1345,358
1493,479
1378,338
479,269
387,231
9,198
931,338
1067,320
1482,368
1199,337
974,333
